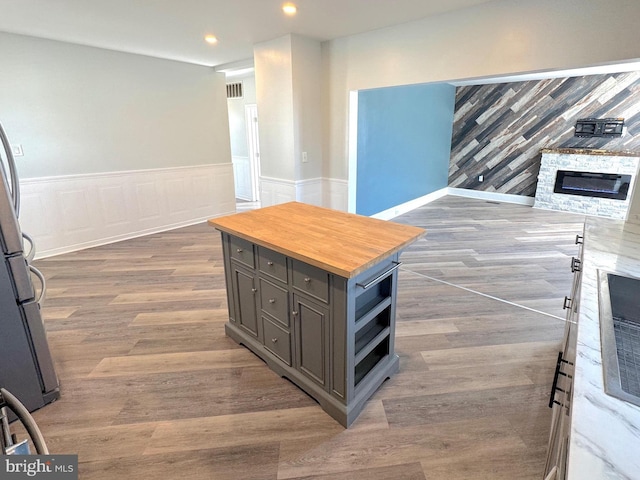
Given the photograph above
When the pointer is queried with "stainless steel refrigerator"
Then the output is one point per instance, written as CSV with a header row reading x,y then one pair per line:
x,y
26,366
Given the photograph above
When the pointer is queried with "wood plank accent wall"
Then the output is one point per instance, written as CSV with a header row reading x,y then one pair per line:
x,y
499,129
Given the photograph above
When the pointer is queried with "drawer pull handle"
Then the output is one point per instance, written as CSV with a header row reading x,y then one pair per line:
x,y
272,301
579,239
274,340
575,264
294,313
379,277
239,250
554,386
307,280
254,290
270,263
567,303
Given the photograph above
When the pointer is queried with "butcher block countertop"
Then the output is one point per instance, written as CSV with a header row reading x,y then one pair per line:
x,y
341,243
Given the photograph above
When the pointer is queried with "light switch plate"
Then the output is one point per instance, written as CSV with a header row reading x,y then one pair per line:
x,y
16,149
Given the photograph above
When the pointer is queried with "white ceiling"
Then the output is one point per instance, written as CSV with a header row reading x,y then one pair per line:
x,y
174,29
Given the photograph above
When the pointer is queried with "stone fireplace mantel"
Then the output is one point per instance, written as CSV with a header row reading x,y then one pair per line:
x,y
586,160
590,151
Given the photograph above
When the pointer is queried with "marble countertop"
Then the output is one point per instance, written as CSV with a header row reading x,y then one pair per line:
x,y
605,431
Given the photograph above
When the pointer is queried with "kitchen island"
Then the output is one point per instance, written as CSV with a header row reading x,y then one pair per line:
x,y
312,291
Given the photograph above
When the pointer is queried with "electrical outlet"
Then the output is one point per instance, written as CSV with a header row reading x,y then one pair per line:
x,y
481,178
16,149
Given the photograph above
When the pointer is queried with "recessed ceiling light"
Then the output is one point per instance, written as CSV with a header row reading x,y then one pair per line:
x,y
211,39
289,9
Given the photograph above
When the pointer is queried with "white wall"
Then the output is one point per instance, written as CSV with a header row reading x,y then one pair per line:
x,y
274,85
289,93
307,105
492,39
79,110
115,145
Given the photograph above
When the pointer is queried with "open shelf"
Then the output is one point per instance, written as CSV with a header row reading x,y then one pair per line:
x,y
372,329
371,315
372,296
369,362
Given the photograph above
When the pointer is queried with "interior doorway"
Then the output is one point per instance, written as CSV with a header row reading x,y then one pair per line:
x,y
246,169
244,138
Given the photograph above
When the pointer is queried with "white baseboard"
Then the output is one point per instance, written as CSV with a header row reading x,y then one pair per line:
x,y
459,192
410,205
491,196
73,212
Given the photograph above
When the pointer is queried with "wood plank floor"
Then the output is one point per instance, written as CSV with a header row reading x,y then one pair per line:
x,y
152,388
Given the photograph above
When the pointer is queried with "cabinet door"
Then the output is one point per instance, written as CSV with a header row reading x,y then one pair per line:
x,y
245,293
311,322
555,441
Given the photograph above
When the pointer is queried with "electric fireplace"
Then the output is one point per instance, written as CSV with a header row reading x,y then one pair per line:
x,y
592,184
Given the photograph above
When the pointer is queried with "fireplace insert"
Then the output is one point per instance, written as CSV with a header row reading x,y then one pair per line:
x,y
588,184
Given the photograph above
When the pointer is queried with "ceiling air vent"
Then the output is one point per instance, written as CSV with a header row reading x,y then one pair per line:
x,y
234,90
599,127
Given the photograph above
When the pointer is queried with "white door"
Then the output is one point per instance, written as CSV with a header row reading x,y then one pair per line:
x,y
242,178
251,119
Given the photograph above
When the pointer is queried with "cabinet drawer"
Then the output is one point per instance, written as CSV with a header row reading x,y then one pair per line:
x,y
272,263
242,251
311,280
277,340
274,301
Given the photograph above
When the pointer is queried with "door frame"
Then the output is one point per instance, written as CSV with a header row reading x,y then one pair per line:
x,y
253,142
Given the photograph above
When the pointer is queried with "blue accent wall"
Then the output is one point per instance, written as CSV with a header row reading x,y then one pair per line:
x,y
404,144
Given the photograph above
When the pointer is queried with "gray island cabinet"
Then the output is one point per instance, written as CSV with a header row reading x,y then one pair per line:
x,y
312,292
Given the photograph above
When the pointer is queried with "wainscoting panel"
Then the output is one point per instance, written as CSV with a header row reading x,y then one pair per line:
x,y
113,206
310,191
499,129
336,193
70,213
177,196
148,201
75,211
274,191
